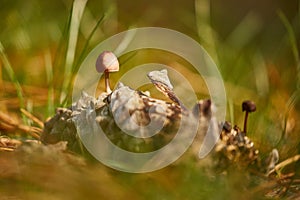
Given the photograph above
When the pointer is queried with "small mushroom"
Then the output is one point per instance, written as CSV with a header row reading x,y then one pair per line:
x,y
248,106
107,62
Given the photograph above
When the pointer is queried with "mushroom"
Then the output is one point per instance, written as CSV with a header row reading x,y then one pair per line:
x,y
107,62
248,106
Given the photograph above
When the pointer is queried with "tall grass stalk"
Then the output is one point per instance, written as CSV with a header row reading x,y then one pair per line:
x,y
77,12
81,56
59,57
12,76
83,52
49,74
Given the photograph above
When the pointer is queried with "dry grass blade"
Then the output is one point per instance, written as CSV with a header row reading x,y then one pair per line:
x,y
33,118
37,94
8,123
284,163
6,149
7,144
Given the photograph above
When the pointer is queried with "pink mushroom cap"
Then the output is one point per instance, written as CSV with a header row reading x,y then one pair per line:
x,y
107,61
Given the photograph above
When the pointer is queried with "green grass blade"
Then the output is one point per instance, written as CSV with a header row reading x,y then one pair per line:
x,y
77,12
59,57
128,58
81,56
245,31
11,74
49,74
293,42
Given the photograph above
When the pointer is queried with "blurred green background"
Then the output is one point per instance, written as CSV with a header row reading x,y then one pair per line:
x,y
255,45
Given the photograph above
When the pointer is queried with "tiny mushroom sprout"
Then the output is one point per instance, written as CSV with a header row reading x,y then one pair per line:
x,y
247,106
107,62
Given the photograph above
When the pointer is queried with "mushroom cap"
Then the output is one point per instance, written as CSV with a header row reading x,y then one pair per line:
x,y
107,61
248,106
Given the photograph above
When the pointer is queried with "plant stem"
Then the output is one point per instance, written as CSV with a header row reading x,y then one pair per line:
x,y
107,85
245,121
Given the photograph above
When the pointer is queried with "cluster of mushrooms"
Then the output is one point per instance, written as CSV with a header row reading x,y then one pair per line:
x,y
233,147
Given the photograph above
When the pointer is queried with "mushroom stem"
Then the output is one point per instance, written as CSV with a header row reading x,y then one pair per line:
x,y
107,85
245,121
247,106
